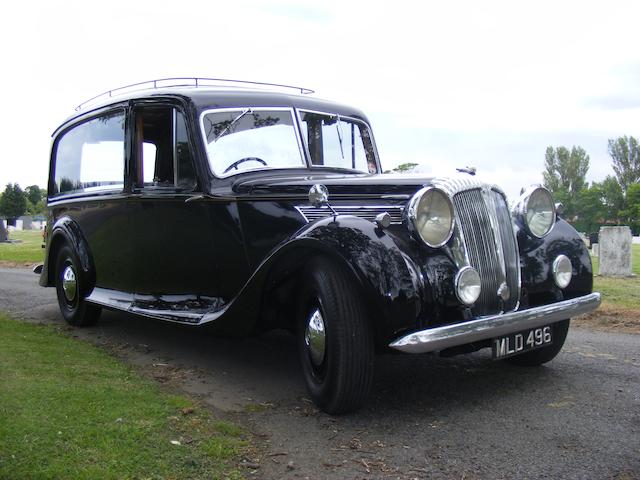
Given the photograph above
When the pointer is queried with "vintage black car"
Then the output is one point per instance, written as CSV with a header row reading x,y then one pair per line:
x,y
243,209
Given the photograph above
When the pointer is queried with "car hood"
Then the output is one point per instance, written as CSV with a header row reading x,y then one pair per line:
x,y
338,184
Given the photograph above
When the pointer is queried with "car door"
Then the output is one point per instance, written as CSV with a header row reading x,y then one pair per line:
x,y
175,254
88,186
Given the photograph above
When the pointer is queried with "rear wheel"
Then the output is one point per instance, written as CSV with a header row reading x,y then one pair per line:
x,y
69,287
544,354
335,341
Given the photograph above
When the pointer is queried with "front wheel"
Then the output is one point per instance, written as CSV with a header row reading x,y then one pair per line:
x,y
544,354
335,341
69,287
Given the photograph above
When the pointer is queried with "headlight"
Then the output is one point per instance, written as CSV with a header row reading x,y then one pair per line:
x,y
468,285
430,214
562,271
538,211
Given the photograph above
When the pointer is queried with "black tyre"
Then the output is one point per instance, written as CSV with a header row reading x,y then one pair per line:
x,y
69,287
335,340
545,354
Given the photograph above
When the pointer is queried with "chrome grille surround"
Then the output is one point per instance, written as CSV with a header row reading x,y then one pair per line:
x,y
368,212
484,238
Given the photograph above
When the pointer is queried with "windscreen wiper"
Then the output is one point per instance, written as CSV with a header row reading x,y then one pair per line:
x,y
339,130
233,122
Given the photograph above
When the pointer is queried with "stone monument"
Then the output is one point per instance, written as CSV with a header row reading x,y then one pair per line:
x,y
615,251
3,232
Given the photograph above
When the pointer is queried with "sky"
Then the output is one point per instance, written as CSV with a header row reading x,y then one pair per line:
x,y
487,84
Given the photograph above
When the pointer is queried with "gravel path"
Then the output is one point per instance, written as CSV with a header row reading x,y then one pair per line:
x,y
428,417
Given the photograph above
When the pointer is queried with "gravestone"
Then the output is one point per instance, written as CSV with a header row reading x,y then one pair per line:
x,y
27,223
3,232
595,250
615,251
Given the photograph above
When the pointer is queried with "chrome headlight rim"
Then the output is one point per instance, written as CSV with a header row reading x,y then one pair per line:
x,y
562,266
412,215
460,276
522,209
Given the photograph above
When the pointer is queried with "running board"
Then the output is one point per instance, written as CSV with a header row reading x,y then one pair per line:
x,y
184,309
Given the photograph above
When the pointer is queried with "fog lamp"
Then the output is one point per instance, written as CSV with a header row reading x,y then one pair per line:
x,y
562,271
468,285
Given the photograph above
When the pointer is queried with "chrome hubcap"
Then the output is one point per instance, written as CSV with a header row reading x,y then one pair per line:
x,y
315,337
69,283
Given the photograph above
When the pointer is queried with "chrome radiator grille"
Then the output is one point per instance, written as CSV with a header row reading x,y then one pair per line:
x,y
485,226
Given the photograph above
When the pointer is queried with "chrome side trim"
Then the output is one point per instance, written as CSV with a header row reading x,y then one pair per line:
x,y
368,212
440,338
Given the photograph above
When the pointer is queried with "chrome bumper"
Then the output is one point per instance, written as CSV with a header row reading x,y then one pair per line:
x,y
439,338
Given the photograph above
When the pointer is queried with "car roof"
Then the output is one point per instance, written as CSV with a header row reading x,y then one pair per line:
x,y
211,97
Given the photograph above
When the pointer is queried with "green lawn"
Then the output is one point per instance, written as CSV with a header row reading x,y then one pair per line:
x,y
68,410
28,250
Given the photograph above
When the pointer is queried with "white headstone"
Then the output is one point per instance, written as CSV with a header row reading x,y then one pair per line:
x,y
595,250
615,251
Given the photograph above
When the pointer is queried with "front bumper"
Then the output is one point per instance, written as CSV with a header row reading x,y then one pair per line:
x,y
440,338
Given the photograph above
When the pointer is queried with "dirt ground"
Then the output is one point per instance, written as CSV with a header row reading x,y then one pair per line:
x,y
7,264
610,319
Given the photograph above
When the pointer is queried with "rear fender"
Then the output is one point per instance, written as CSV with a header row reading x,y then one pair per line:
x,y
66,230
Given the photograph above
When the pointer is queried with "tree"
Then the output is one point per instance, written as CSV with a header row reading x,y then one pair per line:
x,y
564,176
592,209
33,194
35,199
631,213
625,153
612,199
405,167
13,203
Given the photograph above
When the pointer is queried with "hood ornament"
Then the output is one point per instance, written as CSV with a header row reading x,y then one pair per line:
x,y
319,197
470,170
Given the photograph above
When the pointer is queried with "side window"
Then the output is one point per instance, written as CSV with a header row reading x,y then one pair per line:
x,y
90,156
164,157
335,141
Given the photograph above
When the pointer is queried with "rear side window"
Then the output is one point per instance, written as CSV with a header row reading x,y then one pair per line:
x,y
90,156
163,156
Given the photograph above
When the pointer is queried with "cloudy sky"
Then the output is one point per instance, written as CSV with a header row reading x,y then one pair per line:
x,y
445,84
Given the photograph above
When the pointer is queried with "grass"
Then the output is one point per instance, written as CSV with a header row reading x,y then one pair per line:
x,y
620,292
27,250
70,410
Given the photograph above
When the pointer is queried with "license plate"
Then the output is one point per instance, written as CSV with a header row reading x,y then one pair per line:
x,y
521,342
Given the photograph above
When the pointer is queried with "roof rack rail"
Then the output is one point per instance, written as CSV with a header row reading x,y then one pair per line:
x,y
190,82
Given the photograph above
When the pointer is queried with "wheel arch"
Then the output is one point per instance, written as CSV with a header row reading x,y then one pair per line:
x,y
67,231
379,271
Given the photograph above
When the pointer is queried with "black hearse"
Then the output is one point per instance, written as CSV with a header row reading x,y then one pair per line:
x,y
228,205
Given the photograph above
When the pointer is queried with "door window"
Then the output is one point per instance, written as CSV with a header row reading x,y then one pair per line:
x,y
336,141
164,158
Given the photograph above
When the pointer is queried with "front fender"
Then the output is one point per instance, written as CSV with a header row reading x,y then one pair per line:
x,y
386,278
537,256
